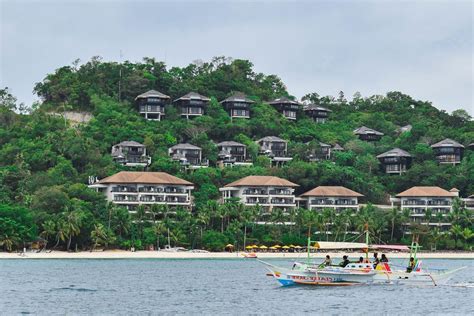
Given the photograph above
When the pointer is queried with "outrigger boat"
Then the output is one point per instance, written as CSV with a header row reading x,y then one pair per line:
x,y
359,273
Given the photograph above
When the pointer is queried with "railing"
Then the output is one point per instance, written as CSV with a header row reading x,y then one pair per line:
x,y
125,198
279,192
176,199
255,192
414,202
257,201
124,189
151,198
174,190
151,109
278,201
439,202
150,190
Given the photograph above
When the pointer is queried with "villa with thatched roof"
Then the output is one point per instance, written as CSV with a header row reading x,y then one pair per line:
x,y
151,104
192,104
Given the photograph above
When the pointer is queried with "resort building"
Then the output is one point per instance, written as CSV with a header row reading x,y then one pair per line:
x,y
448,151
232,153
368,134
318,113
420,201
336,197
403,129
288,108
395,161
237,105
188,155
131,189
151,104
322,152
337,147
130,154
469,202
192,104
274,148
265,191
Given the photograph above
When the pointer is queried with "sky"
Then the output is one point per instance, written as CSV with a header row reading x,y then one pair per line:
x,y
421,48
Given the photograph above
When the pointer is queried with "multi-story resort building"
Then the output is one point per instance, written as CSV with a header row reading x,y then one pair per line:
x,y
232,153
318,113
130,154
448,151
367,134
420,201
274,148
188,155
265,191
237,105
131,189
322,152
192,104
288,108
336,197
395,161
151,104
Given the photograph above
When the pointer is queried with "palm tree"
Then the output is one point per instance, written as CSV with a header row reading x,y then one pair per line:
x,y
49,229
394,217
73,223
457,232
98,235
467,234
159,228
248,216
8,241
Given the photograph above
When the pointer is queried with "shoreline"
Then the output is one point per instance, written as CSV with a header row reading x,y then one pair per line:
x,y
122,254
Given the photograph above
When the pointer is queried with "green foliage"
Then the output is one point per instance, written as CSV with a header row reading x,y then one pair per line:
x,y
45,162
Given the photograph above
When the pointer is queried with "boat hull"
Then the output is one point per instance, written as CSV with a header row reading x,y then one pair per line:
x,y
419,278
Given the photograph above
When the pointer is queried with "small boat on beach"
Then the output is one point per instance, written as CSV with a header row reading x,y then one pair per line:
x,y
250,255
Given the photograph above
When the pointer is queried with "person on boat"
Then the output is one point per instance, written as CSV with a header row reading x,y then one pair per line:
x,y
376,259
384,258
345,261
327,261
361,260
411,265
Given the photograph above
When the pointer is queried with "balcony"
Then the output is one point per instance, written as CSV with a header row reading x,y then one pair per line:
x,y
279,192
151,199
282,201
439,202
174,190
172,199
124,189
414,202
151,109
254,192
150,190
256,201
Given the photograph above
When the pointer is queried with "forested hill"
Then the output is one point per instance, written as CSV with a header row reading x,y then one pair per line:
x,y
42,155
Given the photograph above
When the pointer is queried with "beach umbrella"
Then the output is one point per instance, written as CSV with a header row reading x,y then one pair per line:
x,y
249,247
254,246
273,248
285,247
277,246
298,247
263,247
229,246
292,246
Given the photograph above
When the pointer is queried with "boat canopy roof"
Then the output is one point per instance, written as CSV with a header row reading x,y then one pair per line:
x,y
340,245
391,247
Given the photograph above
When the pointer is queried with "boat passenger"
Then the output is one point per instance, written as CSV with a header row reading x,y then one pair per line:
x,y
361,260
345,261
376,260
384,258
411,265
327,261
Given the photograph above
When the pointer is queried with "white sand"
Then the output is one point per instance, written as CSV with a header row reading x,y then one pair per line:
x,y
121,254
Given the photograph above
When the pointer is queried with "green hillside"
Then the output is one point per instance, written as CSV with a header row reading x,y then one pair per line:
x,y
45,161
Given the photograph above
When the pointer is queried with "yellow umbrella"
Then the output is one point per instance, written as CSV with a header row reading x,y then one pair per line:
x,y
248,247
285,247
273,248
298,247
292,246
254,246
229,246
263,247
277,246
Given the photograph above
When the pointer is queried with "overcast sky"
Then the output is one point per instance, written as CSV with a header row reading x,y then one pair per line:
x,y
422,48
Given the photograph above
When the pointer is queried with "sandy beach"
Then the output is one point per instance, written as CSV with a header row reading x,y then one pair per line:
x,y
121,254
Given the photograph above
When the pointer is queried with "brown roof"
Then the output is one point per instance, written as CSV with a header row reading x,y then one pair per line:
x,y
426,191
332,191
262,181
144,177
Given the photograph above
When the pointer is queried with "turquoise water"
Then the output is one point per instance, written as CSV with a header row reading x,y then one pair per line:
x,y
238,286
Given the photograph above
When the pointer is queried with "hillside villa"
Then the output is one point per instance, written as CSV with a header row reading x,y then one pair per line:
x,y
131,189
338,198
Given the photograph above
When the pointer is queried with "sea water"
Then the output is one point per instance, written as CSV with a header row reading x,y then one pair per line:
x,y
213,286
